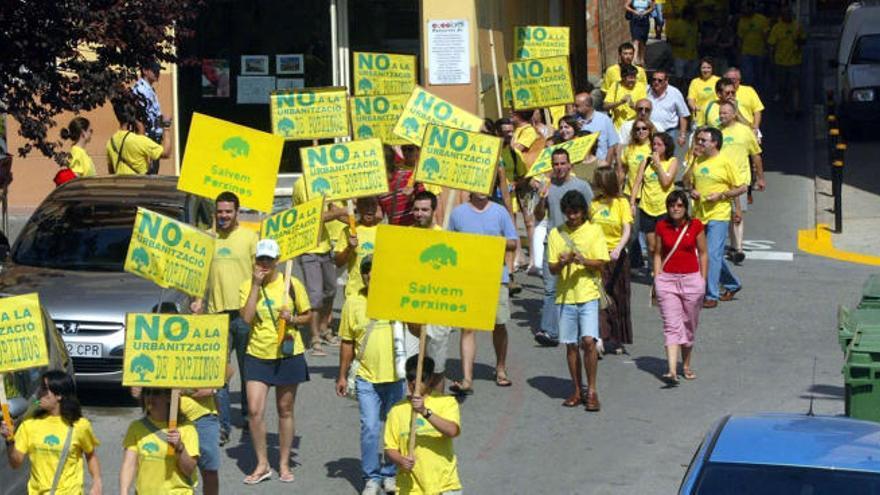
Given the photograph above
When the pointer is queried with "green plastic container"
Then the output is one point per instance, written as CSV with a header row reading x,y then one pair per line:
x,y
861,377
871,293
866,320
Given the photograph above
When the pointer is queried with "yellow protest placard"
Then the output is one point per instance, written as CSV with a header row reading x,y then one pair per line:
x,y
22,336
311,113
175,351
345,170
506,94
540,41
375,117
383,73
577,148
435,276
458,159
296,230
556,114
222,156
170,253
423,108
540,83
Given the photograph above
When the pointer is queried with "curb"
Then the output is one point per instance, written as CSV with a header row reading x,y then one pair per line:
x,y
818,242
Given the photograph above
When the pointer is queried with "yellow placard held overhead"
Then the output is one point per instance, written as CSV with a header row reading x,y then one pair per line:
x,y
540,41
175,351
345,170
222,156
383,73
577,148
296,230
423,108
540,83
435,276
506,94
375,116
22,336
458,159
170,253
311,113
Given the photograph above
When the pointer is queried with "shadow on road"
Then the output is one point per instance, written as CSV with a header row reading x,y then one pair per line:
x,y
653,366
246,459
551,386
347,468
824,392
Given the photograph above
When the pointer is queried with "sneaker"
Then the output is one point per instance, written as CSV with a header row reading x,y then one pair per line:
x,y
371,488
739,257
389,485
224,437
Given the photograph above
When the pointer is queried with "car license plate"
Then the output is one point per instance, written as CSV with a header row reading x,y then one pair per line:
x,y
83,349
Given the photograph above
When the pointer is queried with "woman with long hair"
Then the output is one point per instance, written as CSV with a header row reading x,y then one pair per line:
x,y
631,158
55,441
79,130
655,180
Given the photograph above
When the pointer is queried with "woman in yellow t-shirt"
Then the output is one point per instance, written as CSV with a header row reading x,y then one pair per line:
x,y
79,130
611,211
270,360
129,150
633,154
655,181
702,89
146,462
58,425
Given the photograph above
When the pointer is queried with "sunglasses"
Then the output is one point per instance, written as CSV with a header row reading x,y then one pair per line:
x,y
656,80
643,109
641,128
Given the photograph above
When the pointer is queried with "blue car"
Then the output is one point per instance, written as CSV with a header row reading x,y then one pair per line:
x,y
775,454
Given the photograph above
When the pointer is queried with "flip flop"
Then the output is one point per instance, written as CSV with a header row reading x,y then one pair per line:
x,y
689,375
502,380
286,478
251,480
670,379
458,389
317,351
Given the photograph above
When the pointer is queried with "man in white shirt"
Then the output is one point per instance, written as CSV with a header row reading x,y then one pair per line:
x,y
644,111
670,111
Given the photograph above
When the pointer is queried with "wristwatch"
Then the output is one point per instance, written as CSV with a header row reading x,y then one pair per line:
x,y
428,413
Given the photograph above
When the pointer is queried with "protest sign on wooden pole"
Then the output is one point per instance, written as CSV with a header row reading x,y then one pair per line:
x,y
4,404
172,416
23,338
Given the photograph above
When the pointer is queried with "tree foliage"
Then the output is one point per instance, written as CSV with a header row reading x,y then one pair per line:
x,y
74,55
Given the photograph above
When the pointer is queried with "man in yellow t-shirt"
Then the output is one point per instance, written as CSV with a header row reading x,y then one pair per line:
x,y
234,250
351,249
576,253
378,386
752,29
787,40
725,90
748,103
621,98
626,53
715,183
432,467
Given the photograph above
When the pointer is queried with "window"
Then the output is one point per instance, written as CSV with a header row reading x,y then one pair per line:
x,y
736,479
867,50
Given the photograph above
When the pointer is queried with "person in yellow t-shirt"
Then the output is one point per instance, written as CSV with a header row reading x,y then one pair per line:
x,y
43,438
270,360
524,143
146,462
632,156
626,54
79,130
576,254
129,150
787,39
714,183
378,387
725,90
752,29
611,211
200,409
702,89
621,97
654,180
432,467
748,103
351,249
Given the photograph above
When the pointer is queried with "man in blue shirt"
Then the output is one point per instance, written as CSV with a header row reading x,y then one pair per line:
x,y
481,216
146,95
593,121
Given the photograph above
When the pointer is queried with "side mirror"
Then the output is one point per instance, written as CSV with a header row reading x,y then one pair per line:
x,y
17,407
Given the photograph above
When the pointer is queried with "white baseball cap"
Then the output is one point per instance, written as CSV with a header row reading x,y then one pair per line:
x,y
268,247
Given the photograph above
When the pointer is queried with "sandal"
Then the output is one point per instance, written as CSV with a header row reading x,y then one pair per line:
x,y
501,379
287,477
329,339
689,374
670,379
317,351
459,388
256,479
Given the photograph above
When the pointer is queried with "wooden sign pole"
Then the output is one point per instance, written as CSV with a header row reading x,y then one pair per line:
x,y
4,404
282,323
172,416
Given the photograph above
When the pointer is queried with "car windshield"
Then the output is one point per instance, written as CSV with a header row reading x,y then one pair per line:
x,y
81,234
867,50
755,479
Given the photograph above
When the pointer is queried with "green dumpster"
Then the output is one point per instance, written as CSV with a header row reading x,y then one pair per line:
x,y
862,378
871,293
866,321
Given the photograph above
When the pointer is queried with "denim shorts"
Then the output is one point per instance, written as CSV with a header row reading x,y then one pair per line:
x,y
577,321
208,428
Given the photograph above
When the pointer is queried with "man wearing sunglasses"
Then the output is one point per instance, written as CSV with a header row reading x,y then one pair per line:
x,y
644,113
670,112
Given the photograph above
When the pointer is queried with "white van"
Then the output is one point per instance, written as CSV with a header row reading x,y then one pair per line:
x,y
858,66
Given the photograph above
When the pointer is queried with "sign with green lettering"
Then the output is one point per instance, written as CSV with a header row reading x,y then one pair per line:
x,y
345,170
423,108
296,230
22,336
310,113
458,159
375,116
540,83
540,41
383,73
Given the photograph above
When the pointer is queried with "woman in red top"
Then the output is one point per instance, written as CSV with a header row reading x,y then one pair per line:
x,y
679,281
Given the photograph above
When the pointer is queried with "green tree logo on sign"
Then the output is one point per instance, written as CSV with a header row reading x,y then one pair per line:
x,y
523,95
141,259
431,167
523,53
142,364
364,132
51,441
364,85
321,186
236,146
439,256
411,125
286,126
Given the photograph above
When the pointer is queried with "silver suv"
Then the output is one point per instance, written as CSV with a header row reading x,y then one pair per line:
x,y
72,250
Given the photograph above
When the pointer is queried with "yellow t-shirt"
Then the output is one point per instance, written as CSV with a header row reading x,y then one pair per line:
x,y
157,472
80,162
624,112
42,439
299,197
366,245
752,30
682,37
524,135
513,167
702,92
653,200
233,264
740,143
578,284
611,218
377,363
612,76
785,38
195,408
710,115
714,175
137,153
263,340
633,155
436,468
748,102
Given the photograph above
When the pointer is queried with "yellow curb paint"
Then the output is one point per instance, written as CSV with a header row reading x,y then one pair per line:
x,y
818,242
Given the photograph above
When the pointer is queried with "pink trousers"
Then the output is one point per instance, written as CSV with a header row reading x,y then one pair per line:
x,y
680,297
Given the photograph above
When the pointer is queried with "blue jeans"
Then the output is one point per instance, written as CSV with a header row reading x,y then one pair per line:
x,y
238,333
375,400
550,312
579,321
719,271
